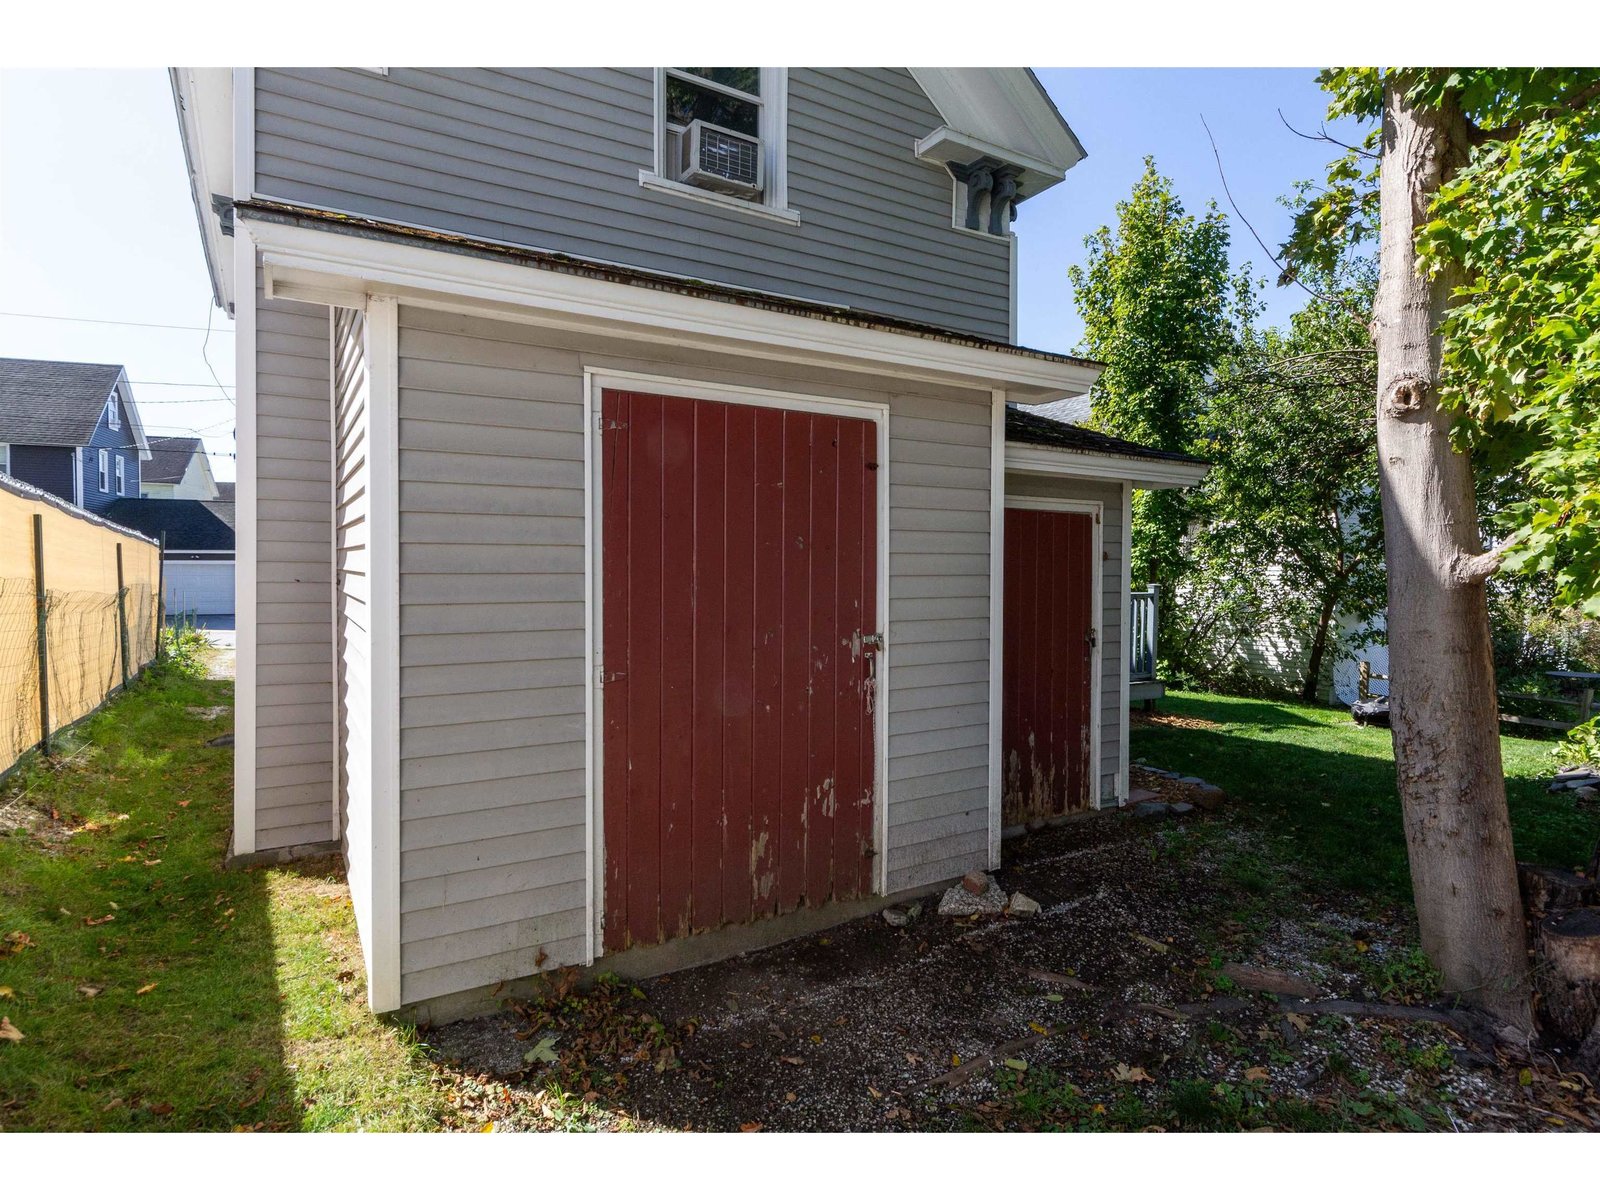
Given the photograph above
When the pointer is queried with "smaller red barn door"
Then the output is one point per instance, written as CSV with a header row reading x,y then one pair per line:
x,y
739,603
1048,663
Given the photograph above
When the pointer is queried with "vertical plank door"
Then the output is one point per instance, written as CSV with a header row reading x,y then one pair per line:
x,y
1047,659
738,583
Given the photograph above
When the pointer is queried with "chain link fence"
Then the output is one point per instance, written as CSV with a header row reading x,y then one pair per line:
x,y
79,614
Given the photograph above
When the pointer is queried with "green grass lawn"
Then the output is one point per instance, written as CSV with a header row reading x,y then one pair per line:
x,y
1322,789
155,990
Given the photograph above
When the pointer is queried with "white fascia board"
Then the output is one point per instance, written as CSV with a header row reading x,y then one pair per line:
x,y
203,97
322,267
1143,473
945,144
1006,109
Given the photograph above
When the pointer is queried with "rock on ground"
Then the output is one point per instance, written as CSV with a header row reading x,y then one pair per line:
x,y
958,902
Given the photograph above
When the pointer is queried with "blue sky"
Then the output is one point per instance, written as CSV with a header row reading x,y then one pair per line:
x,y
96,221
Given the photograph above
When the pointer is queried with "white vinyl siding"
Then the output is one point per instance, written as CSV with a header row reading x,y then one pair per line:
x,y
352,616
294,611
493,688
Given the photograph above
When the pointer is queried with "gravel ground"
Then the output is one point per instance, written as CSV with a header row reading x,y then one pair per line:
x,y
855,1028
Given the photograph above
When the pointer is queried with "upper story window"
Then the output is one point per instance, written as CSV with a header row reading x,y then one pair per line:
x,y
105,471
113,414
122,482
720,137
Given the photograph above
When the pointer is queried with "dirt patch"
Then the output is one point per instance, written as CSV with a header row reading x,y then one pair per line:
x,y
850,1030
1170,720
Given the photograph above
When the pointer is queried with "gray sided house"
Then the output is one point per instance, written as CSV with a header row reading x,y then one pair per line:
x,y
178,470
72,429
643,551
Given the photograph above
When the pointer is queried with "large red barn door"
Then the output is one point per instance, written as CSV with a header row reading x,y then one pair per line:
x,y
739,602
1048,657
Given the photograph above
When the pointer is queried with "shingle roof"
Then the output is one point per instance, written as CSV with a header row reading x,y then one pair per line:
x,y
1026,426
169,459
188,524
225,491
45,403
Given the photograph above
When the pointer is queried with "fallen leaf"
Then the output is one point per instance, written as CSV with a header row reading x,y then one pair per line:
x,y
816,1037
955,1060
793,1060
1056,997
6,992
1158,947
750,1127
1299,1021
8,1031
146,989
100,920
488,1128
912,1058
161,1110
88,990
543,1052
1525,1077
1126,1074
1016,1064
874,1092
1256,1075
790,1097
183,804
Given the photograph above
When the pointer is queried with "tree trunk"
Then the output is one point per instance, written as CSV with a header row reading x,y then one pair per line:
x,y
1319,648
1443,705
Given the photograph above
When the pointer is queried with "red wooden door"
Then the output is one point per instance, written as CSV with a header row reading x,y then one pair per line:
x,y
738,580
1048,657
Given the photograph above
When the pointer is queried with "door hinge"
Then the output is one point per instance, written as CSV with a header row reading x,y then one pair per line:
x,y
1094,636
603,677
603,423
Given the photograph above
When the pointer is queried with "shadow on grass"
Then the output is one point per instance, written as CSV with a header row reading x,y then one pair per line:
x,y
144,981
1322,789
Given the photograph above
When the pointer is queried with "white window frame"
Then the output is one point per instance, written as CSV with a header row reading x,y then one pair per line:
x,y
113,415
105,470
773,129
5,456
122,478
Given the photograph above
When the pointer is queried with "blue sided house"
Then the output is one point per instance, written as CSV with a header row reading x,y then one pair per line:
x,y
71,429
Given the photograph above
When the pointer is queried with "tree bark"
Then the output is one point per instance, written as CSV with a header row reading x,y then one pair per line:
x,y
1443,705
1319,648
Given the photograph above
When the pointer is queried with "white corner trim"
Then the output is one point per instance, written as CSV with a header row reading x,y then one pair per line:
x,y
1127,590
77,476
312,264
997,575
1144,473
750,208
1097,610
245,558
596,381
335,733
383,432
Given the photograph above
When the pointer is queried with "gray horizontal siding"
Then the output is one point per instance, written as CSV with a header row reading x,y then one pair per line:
x,y
295,769
551,159
492,617
1113,607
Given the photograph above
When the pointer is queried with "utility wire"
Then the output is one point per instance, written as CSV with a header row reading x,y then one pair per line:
x,y
107,321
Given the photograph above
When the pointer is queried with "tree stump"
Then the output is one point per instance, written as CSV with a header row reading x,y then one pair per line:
x,y
1549,890
1571,952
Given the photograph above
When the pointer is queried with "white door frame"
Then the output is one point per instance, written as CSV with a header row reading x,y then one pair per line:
x,y
1096,509
595,381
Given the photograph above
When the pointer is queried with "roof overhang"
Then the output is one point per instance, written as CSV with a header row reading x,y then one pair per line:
x,y
323,266
1147,474
204,100
1000,113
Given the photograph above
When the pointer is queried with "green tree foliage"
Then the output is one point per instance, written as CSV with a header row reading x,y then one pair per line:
x,y
1289,532
1156,302
1522,340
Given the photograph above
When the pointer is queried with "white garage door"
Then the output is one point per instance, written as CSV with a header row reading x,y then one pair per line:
x,y
202,588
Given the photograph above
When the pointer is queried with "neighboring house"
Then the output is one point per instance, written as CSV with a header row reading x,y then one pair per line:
x,y
177,470
197,564
636,561
225,491
71,429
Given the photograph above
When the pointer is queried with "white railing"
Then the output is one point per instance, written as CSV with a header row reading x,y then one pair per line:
x,y
1142,634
